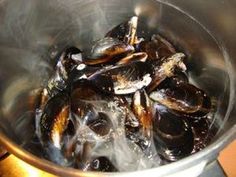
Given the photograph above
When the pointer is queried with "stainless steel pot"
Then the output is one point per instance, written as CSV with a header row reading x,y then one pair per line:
x,y
32,31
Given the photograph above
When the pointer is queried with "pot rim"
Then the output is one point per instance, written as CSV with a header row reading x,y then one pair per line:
x,y
182,164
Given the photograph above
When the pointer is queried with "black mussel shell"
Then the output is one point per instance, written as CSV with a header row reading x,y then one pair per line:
x,y
81,72
134,57
125,31
141,107
157,48
54,120
185,98
173,80
102,164
102,125
123,79
179,76
203,131
86,114
56,85
165,68
172,135
86,90
108,50
202,112
68,60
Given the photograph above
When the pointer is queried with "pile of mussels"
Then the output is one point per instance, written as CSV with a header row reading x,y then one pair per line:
x,y
125,105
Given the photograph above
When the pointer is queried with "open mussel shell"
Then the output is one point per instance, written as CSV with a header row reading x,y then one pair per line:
x,y
123,79
108,50
54,119
172,135
125,31
183,98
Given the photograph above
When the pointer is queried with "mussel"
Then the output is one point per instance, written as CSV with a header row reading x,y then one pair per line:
x,y
126,31
87,115
173,137
141,108
108,50
183,98
123,79
68,60
54,120
166,68
101,164
203,131
134,57
158,48
123,105
139,126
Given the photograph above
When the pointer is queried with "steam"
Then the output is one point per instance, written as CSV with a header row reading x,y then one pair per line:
x,y
124,154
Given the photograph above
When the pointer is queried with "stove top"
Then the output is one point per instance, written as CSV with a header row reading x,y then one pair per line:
x,y
11,166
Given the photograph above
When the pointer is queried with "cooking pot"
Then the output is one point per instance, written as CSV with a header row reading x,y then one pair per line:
x,y
32,33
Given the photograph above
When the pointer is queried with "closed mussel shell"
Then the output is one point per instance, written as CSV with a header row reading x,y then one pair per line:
x,y
54,120
157,48
123,79
172,135
107,50
184,98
